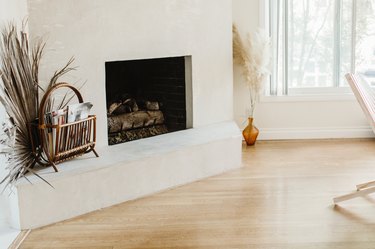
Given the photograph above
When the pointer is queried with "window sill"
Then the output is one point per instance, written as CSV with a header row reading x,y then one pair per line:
x,y
309,98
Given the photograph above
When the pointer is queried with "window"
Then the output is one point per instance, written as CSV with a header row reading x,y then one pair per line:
x,y
316,42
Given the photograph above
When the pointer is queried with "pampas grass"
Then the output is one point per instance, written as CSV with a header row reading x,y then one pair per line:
x,y
253,55
19,94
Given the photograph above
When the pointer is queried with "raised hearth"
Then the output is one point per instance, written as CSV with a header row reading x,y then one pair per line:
x,y
127,171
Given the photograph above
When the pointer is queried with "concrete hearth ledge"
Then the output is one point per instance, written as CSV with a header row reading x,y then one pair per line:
x,y
128,171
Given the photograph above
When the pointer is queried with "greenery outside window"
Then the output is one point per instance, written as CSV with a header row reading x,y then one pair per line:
x,y
316,42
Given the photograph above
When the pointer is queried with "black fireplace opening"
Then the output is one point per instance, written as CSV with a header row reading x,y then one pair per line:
x,y
145,97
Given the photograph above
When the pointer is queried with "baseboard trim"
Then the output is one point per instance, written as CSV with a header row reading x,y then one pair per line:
x,y
20,238
315,133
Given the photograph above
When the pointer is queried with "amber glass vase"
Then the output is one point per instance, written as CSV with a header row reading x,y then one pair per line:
x,y
250,133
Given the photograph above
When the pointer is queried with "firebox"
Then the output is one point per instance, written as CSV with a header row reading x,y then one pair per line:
x,y
146,97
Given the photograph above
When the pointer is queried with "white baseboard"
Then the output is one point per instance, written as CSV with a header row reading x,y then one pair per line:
x,y
7,234
315,133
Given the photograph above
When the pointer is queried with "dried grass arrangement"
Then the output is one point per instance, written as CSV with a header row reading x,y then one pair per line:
x,y
253,55
19,94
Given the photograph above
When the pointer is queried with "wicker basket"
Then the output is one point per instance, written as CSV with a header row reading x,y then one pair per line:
x,y
55,143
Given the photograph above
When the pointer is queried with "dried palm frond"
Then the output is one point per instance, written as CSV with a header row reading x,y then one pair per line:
x,y
19,94
254,57
68,96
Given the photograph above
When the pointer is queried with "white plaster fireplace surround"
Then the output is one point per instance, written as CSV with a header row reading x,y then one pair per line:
x,y
96,31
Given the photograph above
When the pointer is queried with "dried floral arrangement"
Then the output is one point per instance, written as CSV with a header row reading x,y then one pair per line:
x,y
253,55
19,94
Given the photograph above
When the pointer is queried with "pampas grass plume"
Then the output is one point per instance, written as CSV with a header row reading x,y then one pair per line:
x,y
253,55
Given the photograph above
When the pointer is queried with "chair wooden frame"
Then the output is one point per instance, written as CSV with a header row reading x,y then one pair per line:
x,y
366,98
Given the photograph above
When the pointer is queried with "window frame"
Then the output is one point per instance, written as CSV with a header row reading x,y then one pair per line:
x,y
276,88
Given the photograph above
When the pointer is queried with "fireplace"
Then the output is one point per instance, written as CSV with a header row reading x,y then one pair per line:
x,y
147,97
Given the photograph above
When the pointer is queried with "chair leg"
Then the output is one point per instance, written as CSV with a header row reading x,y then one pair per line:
x,y
359,193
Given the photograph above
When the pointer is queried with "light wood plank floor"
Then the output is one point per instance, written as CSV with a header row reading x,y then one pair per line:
x,y
281,198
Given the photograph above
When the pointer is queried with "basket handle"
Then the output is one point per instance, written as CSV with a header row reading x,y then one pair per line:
x,y
43,103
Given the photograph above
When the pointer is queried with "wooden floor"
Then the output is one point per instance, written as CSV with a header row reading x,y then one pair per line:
x,y
281,198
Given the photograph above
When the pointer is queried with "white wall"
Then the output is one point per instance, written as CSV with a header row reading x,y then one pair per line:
x,y
286,117
10,10
106,30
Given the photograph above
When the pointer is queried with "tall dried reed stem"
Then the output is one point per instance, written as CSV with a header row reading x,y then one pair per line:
x,y
253,56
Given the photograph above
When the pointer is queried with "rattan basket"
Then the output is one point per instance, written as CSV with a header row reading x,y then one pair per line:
x,y
55,143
